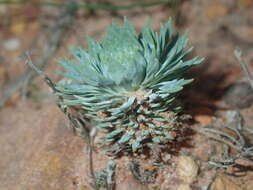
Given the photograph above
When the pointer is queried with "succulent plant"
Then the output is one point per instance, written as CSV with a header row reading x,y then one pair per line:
x,y
128,84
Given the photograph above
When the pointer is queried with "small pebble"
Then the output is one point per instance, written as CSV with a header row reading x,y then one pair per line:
x,y
12,44
184,187
222,182
239,95
187,169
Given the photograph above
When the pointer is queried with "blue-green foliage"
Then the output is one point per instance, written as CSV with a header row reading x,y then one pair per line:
x,y
108,77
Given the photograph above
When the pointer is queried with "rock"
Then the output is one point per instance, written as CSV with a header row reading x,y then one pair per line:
x,y
204,151
239,95
130,183
18,28
216,10
187,169
184,187
249,185
245,3
203,119
12,44
222,182
38,152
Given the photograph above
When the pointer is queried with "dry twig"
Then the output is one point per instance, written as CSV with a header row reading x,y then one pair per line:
x,y
238,55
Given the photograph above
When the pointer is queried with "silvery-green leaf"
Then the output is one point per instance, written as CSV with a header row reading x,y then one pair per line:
x,y
114,133
156,140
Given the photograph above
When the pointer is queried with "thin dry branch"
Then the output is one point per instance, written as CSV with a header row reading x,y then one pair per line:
x,y
57,32
246,70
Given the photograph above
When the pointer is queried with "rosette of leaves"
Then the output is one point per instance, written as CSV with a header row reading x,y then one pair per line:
x,y
128,84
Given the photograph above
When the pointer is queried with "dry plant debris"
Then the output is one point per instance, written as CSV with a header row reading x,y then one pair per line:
x,y
232,138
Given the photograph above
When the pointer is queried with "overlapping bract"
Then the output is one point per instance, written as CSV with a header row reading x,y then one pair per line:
x,y
128,82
